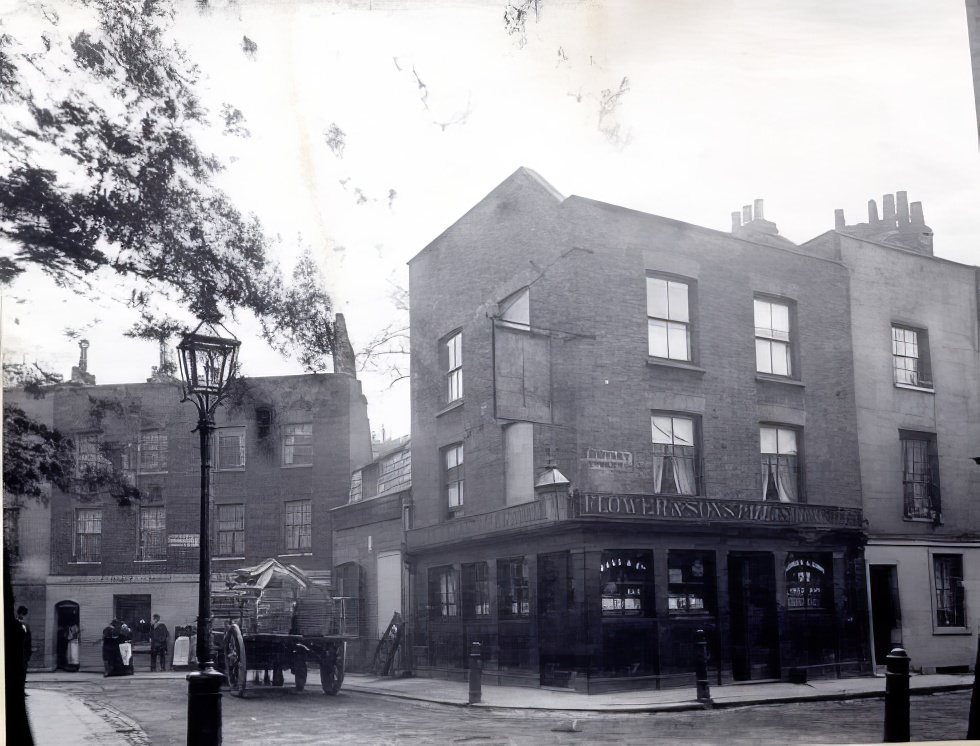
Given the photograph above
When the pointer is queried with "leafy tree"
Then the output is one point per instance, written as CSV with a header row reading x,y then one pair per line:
x,y
101,179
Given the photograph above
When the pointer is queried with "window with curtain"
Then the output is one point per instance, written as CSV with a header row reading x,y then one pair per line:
x,y
910,358
780,464
443,593
298,526
773,349
920,475
88,535
675,455
230,524
668,319
950,598
513,597
153,533
452,466
476,590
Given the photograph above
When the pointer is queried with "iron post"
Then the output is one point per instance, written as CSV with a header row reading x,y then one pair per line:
x,y
897,697
476,674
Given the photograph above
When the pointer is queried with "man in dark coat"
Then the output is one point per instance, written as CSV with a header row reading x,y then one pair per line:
x,y
159,643
111,657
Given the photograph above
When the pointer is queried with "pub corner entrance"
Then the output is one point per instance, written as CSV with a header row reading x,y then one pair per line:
x,y
754,625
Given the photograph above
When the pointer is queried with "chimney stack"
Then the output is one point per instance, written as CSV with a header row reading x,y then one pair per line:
x,y
79,373
83,356
917,217
758,210
736,221
343,352
747,213
839,220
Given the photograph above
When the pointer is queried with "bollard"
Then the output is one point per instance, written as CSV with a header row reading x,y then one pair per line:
x,y
973,725
701,666
897,697
476,674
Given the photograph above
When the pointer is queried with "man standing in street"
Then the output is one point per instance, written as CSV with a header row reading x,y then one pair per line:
x,y
28,646
159,643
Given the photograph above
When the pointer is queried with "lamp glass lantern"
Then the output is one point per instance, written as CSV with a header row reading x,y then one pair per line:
x,y
207,359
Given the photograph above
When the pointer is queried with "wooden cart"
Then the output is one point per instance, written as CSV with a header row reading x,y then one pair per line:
x,y
275,619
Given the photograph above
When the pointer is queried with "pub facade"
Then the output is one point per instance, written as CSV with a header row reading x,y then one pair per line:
x,y
626,429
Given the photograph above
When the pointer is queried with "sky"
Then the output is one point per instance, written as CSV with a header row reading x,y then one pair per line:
x,y
683,108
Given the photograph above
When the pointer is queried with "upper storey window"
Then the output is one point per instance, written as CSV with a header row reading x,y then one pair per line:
x,y
773,343
910,356
668,318
453,366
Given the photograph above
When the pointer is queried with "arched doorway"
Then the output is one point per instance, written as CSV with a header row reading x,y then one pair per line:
x,y
66,614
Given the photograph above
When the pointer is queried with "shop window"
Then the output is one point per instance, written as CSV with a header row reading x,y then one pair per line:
x,y
513,595
808,582
476,590
626,578
443,593
130,610
691,587
950,597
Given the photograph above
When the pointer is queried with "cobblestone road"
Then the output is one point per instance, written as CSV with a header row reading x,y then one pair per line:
x,y
282,715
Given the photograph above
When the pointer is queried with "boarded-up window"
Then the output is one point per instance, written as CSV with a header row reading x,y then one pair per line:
x,y
522,374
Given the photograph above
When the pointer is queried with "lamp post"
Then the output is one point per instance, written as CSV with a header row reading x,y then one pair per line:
x,y
207,359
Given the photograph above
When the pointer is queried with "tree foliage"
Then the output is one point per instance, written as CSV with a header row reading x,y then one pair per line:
x,y
33,455
101,177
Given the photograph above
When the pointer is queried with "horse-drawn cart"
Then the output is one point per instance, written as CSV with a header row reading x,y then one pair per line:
x,y
276,619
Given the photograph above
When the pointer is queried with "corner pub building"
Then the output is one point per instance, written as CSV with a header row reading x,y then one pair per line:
x,y
625,429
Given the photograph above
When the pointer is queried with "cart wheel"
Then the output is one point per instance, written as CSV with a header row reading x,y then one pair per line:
x,y
331,676
299,673
235,666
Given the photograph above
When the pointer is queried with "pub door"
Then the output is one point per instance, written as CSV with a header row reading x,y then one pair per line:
x,y
886,611
754,628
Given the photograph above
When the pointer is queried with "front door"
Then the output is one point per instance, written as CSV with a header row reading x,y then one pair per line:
x,y
754,629
886,612
67,617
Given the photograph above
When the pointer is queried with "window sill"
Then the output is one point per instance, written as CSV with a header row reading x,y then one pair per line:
x,y
151,473
779,379
952,631
919,520
296,466
237,559
910,387
450,407
150,561
85,562
679,364
232,469
296,554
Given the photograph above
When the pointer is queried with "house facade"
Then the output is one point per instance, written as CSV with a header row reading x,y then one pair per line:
x,y
282,455
914,328
694,387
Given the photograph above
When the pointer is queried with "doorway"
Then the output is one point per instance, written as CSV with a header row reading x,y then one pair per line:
x,y
67,617
886,610
754,627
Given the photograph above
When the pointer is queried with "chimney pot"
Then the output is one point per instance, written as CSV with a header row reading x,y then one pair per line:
x,y
873,212
736,220
903,208
83,356
917,216
889,209
839,220
758,210
747,213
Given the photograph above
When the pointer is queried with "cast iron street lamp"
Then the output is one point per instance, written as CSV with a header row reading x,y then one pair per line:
x,y
207,360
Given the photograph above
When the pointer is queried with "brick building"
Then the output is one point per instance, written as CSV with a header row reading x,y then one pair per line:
x,y
914,326
284,449
369,548
696,389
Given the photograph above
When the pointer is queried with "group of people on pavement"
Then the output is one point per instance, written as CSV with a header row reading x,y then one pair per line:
x,y
117,650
